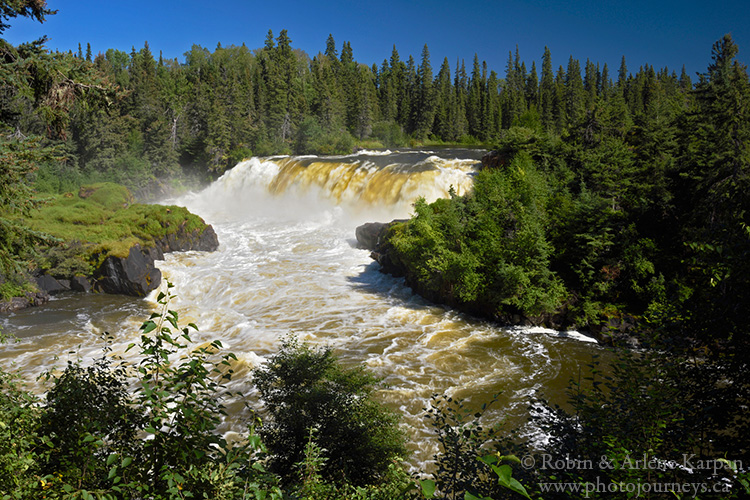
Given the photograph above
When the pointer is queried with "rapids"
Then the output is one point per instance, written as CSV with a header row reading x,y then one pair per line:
x,y
288,264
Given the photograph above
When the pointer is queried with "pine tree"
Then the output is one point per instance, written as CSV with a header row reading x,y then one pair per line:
x,y
685,82
409,93
460,88
423,113
547,91
559,104
715,192
575,103
532,87
606,82
474,99
591,84
444,102
622,75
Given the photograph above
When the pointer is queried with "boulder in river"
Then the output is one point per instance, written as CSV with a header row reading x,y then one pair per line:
x,y
134,275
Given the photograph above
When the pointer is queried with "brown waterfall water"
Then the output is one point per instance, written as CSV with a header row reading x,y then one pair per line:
x,y
287,264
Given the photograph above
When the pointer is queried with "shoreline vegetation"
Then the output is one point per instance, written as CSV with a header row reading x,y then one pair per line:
x,y
100,240
621,198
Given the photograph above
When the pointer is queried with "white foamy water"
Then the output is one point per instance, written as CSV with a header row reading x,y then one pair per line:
x,y
288,264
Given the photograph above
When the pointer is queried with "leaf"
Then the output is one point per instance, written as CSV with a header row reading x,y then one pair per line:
x,y
148,326
518,488
469,496
428,488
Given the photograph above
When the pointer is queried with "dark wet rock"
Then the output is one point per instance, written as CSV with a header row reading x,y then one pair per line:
x,y
50,285
368,234
185,241
137,275
371,235
134,275
18,303
495,159
618,330
80,284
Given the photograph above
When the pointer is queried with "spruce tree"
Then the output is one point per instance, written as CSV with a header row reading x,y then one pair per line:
x,y
532,87
460,88
547,91
442,126
424,103
575,103
474,99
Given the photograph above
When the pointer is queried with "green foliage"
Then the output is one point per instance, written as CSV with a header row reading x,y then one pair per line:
x,y
66,260
19,419
488,250
661,410
304,388
18,159
466,463
389,133
9,289
181,392
88,416
313,139
104,219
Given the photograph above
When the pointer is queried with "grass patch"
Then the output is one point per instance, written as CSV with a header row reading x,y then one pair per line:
x,y
102,219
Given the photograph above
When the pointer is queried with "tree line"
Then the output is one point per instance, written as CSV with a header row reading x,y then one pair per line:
x,y
218,107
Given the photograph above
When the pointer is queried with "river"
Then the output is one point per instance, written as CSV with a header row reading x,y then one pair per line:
x,y
288,264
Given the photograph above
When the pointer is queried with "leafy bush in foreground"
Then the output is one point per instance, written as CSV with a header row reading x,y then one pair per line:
x,y
96,437
305,388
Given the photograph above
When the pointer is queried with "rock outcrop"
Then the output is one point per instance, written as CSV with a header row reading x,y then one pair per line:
x,y
369,235
136,274
17,303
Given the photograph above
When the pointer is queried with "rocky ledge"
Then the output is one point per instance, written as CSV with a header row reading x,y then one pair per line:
x,y
29,300
135,275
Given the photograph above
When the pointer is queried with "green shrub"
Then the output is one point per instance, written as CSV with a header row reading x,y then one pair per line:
x,y
305,388
314,139
89,414
470,453
486,251
19,419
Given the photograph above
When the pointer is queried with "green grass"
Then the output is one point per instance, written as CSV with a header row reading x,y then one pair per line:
x,y
106,221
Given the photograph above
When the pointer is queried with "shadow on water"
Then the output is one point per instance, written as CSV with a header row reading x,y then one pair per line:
x,y
391,290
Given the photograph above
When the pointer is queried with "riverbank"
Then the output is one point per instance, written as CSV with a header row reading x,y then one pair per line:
x,y
488,253
100,240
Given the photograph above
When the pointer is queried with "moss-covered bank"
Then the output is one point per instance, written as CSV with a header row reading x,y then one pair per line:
x,y
104,241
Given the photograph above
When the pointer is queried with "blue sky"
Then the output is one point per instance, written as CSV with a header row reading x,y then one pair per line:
x,y
662,33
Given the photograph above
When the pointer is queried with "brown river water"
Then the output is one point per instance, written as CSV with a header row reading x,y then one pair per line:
x,y
288,264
